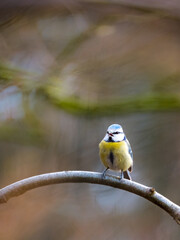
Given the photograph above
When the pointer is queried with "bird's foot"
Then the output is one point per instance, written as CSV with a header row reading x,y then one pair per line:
x,y
104,172
121,175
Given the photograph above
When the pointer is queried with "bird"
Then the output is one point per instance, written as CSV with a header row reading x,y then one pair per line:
x,y
115,152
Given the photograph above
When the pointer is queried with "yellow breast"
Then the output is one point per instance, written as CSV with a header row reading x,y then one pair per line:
x,y
115,155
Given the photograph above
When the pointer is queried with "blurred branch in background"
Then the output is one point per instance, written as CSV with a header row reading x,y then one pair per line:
x,y
149,193
156,100
148,102
18,120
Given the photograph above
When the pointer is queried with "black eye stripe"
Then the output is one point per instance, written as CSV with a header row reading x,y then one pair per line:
x,y
115,132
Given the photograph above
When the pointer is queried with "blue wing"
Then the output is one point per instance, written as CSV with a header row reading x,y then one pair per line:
x,y
130,152
129,148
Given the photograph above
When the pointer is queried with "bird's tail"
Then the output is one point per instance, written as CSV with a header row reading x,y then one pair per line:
x,y
127,175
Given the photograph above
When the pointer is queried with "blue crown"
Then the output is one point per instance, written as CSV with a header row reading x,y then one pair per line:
x,y
114,127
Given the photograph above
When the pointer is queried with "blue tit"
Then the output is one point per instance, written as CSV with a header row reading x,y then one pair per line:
x,y
115,151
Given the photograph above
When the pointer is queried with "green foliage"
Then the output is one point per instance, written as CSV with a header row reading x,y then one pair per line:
x,y
7,73
19,132
143,103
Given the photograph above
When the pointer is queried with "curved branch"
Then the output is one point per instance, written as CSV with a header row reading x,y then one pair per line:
x,y
20,187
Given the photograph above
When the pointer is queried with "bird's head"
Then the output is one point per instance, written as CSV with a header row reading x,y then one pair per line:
x,y
114,133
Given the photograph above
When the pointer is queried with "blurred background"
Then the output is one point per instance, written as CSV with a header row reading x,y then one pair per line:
x,y
68,69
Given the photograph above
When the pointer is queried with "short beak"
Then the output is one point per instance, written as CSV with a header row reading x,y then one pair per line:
x,y
110,134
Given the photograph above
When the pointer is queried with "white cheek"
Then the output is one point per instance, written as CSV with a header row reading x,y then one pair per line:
x,y
106,137
118,137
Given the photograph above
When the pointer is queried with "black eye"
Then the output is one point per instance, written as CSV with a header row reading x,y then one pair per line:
x,y
116,132
107,132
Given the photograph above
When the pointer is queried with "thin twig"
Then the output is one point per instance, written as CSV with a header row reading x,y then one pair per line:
x,y
20,187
